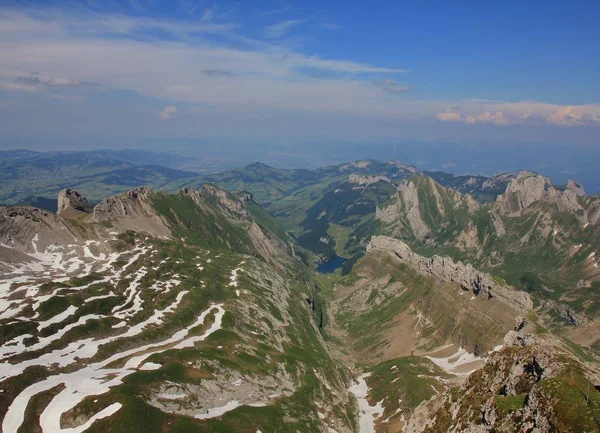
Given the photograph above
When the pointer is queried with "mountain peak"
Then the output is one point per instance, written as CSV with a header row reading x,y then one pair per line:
x,y
259,165
126,206
396,163
71,199
528,188
576,187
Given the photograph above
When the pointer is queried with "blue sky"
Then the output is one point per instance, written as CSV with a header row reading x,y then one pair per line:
x,y
280,71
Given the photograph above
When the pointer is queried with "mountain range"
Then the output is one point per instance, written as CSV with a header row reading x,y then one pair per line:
x,y
455,303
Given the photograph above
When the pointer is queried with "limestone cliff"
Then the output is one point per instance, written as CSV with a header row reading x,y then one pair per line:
x,y
532,385
132,210
446,269
528,188
71,199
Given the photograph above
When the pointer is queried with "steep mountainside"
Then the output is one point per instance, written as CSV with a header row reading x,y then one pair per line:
x,y
482,188
540,238
159,312
533,384
418,326
468,304
343,220
330,210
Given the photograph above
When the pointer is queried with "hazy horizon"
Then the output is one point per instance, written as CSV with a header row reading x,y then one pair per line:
x,y
559,163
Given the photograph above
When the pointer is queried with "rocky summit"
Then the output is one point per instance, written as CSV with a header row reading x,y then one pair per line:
x,y
460,304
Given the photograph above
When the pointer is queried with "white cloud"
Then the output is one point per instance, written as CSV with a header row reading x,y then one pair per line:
x,y
242,77
33,82
168,112
496,118
450,116
63,82
575,116
18,86
525,112
280,29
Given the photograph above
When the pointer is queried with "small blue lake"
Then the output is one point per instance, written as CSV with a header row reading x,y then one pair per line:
x,y
331,265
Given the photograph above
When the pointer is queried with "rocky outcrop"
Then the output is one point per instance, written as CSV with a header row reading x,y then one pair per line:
x,y
522,388
405,206
564,311
71,199
446,269
418,202
358,179
129,204
576,187
209,196
402,167
353,165
497,180
132,210
525,189
592,212
19,225
31,230
224,198
528,188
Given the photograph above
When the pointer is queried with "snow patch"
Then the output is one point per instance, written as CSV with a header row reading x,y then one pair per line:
x,y
150,366
452,363
367,414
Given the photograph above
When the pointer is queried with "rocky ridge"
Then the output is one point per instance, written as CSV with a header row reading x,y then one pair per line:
x,y
366,180
216,262
528,188
406,206
532,385
68,198
446,269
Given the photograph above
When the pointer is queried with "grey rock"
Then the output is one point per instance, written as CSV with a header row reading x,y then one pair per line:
x,y
576,187
446,269
68,198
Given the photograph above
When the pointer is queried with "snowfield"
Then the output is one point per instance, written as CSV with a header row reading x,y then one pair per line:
x,y
61,264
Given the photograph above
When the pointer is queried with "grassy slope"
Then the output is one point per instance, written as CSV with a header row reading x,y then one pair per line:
x,y
201,229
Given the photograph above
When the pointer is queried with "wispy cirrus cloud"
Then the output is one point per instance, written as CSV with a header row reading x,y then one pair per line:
x,y
280,29
34,82
275,11
210,63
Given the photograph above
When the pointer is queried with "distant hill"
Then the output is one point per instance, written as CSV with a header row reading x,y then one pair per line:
x,y
36,177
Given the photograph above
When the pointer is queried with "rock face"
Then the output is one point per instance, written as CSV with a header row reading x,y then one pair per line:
x,y
133,210
407,205
31,230
576,187
525,387
69,198
564,311
19,225
446,269
528,188
129,204
408,213
225,198
366,180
